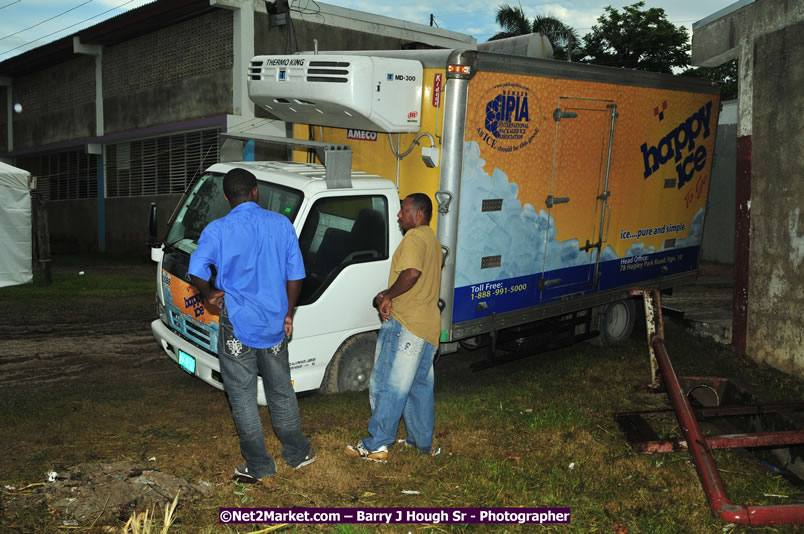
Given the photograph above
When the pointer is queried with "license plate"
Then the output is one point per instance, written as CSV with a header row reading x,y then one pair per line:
x,y
186,362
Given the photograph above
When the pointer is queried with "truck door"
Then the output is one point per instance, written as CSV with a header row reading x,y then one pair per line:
x,y
346,239
576,203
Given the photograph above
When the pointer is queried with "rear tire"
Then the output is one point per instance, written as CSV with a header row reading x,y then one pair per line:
x,y
615,322
350,367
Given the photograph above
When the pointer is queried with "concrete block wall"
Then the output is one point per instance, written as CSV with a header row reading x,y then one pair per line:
x,y
58,104
126,223
776,283
765,36
180,72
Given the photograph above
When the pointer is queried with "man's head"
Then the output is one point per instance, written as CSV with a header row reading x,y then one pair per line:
x,y
239,186
416,210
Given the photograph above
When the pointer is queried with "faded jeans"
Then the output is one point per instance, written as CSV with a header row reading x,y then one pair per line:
x,y
239,367
401,386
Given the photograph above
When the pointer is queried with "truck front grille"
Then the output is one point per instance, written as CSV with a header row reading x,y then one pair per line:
x,y
202,335
197,334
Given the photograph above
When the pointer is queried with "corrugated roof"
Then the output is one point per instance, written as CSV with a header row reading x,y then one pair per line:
x,y
139,21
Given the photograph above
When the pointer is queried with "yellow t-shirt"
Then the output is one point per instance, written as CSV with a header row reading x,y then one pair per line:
x,y
417,308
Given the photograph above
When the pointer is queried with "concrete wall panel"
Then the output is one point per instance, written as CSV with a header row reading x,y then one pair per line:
x,y
190,98
174,74
776,287
55,126
73,224
58,104
127,222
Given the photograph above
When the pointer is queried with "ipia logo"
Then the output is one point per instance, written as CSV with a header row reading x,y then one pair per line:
x,y
680,143
506,124
507,114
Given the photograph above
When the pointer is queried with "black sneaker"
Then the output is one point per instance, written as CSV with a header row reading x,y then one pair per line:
x,y
310,458
243,476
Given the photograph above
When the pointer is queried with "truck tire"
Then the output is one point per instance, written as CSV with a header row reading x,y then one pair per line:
x,y
615,322
350,367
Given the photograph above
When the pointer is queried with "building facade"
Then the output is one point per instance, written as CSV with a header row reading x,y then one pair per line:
x,y
129,111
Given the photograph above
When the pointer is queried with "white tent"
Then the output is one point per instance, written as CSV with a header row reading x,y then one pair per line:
x,y
15,226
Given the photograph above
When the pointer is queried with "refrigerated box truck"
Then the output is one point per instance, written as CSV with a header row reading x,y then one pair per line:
x,y
557,188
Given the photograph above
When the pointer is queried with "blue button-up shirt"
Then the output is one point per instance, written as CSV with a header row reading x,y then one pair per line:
x,y
255,252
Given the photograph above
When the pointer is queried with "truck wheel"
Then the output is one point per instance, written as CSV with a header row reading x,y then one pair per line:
x,y
350,367
615,322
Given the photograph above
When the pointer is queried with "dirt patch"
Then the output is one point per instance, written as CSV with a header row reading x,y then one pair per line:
x,y
56,340
104,492
57,353
50,345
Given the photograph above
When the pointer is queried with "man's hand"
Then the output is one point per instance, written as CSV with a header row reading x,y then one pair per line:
x,y
405,281
383,303
215,297
288,325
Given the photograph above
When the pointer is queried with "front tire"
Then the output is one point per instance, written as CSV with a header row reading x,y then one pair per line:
x,y
351,366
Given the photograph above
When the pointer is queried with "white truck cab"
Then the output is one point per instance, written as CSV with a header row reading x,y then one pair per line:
x,y
346,236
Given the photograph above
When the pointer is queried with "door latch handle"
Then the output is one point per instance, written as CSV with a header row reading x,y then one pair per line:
x,y
551,200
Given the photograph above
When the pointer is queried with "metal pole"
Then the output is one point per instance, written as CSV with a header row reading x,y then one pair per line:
x,y
713,486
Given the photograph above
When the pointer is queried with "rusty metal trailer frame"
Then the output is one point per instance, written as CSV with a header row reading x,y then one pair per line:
x,y
700,446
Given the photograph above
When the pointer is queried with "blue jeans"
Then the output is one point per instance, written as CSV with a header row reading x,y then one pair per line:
x,y
239,367
401,386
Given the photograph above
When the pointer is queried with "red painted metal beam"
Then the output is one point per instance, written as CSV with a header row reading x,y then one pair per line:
x,y
725,441
713,486
725,411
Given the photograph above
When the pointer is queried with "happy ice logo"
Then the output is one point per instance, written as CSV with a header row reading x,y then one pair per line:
x,y
680,145
507,118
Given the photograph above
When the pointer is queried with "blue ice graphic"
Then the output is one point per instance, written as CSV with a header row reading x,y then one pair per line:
x,y
523,236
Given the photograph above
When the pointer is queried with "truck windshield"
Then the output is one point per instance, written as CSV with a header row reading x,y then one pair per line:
x,y
205,203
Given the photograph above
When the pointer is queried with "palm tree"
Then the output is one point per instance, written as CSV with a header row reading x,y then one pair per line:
x,y
563,38
514,22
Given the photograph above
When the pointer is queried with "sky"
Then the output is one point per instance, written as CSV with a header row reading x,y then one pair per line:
x,y
27,24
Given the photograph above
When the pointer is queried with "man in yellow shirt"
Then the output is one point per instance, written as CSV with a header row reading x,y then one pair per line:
x,y
402,380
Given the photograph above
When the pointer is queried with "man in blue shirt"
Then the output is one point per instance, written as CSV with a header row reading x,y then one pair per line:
x,y
259,277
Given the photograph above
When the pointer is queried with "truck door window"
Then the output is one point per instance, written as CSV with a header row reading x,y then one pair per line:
x,y
205,202
341,231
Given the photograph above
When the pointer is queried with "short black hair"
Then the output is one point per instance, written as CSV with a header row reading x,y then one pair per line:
x,y
422,202
238,183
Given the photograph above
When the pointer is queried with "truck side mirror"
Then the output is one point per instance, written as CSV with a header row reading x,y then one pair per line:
x,y
152,239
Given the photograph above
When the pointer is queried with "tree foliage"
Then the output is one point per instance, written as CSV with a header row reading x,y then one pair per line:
x,y
725,75
514,22
564,39
637,38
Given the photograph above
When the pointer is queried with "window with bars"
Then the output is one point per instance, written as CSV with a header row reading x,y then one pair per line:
x,y
66,175
159,165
